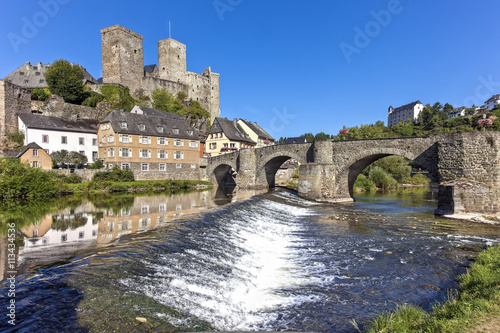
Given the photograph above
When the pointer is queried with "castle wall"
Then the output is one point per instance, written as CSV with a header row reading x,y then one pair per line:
x,y
122,57
150,83
13,100
172,63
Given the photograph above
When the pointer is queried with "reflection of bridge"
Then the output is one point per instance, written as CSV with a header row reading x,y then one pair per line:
x,y
466,166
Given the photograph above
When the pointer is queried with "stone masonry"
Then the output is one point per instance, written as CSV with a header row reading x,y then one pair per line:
x,y
123,63
13,100
465,165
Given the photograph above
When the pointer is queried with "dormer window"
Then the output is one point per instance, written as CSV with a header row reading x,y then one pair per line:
x,y
175,130
142,127
159,129
190,132
37,73
123,124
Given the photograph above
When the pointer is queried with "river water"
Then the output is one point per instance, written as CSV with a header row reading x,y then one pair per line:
x,y
206,261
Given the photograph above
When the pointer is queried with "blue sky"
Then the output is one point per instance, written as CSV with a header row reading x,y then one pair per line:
x,y
292,66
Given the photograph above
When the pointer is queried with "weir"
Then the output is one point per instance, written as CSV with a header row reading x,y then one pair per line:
x,y
466,166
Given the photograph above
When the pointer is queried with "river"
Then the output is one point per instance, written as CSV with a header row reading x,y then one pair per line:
x,y
248,261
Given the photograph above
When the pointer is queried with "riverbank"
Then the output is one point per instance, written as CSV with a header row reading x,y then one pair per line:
x,y
474,308
93,187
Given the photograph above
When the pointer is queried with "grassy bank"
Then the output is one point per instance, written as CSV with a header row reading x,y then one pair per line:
x,y
476,304
96,187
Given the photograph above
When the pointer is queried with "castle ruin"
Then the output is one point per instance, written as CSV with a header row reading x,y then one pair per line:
x,y
123,63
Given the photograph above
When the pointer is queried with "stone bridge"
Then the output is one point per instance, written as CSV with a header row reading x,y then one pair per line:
x,y
466,166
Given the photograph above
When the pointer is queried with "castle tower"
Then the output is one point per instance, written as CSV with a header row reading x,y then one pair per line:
x,y
122,57
172,60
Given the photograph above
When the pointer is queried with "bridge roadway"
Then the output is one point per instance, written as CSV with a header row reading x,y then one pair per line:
x,y
466,166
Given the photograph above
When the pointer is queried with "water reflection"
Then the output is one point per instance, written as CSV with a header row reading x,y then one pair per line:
x,y
96,222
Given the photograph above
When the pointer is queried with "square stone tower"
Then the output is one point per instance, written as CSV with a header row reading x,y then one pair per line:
x,y
172,63
13,100
122,57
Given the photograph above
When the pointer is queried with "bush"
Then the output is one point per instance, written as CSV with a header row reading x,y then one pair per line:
x,y
382,179
115,175
417,179
92,99
17,137
364,184
38,94
20,181
96,165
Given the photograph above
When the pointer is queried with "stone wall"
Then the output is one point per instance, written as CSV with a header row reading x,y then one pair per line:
x,y
13,100
85,174
172,172
55,106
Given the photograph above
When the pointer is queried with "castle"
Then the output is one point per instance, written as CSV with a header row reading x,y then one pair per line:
x,y
123,63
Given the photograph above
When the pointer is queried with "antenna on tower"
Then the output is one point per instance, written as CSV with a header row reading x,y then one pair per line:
x,y
169,30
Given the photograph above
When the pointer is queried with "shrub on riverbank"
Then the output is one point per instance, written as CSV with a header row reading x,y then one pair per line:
x,y
478,297
19,181
114,175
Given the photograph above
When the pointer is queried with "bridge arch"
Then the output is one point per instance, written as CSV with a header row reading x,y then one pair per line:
x,y
268,163
223,169
357,162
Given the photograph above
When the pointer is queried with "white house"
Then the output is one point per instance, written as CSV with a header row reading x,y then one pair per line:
x,y
404,113
457,112
53,134
256,133
492,102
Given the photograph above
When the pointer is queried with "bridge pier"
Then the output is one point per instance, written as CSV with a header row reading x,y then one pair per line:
x,y
317,182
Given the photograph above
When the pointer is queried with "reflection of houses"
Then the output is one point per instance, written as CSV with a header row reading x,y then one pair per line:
x,y
149,212
54,134
227,136
33,155
61,229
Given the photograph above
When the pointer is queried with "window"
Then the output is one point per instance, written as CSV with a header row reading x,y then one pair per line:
x,y
94,141
64,140
64,237
144,166
190,132
179,143
162,141
213,145
82,152
108,125
178,155
125,212
144,153
94,156
175,130
34,164
81,141
123,124
193,144
144,140
125,138
193,166
35,232
103,140
111,138
162,208
124,152
142,127
110,166
145,209
103,127
159,129
45,138
162,167
225,145
21,73
178,165
125,166
81,234
162,154
35,152
111,152
37,73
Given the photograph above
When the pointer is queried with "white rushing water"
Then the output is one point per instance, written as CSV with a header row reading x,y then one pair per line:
x,y
230,279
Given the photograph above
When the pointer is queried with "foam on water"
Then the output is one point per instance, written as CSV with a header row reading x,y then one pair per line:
x,y
230,279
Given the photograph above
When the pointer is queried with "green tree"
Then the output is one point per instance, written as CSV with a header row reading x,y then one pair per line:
x,y
60,158
165,101
77,159
66,80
